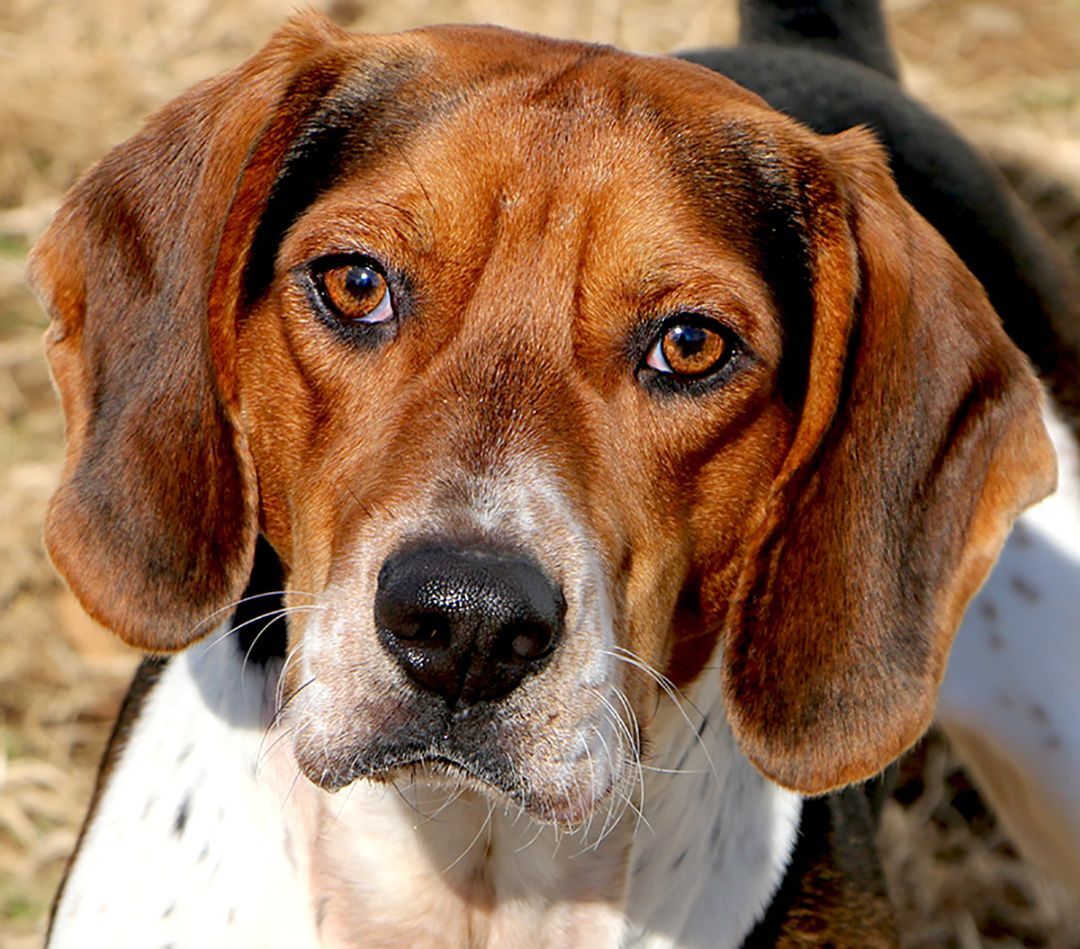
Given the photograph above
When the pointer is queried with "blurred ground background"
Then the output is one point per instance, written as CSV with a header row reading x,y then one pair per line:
x,y
77,76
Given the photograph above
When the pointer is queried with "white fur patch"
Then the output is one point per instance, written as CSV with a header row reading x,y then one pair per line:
x,y
1011,696
190,846
707,853
720,835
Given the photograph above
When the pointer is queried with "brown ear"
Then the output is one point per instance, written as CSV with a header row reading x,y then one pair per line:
x,y
154,522
920,439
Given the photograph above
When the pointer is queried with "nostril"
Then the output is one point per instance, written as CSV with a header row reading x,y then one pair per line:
x,y
427,628
529,641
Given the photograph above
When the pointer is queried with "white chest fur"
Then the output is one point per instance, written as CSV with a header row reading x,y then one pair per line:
x,y
205,836
692,860
191,845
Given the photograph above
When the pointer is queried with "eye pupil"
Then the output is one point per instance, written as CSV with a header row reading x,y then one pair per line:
x,y
688,340
365,286
360,281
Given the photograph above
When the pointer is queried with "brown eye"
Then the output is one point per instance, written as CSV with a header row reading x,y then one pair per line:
x,y
357,292
689,349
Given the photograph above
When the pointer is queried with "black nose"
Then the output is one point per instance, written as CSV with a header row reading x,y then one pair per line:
x,y
468,625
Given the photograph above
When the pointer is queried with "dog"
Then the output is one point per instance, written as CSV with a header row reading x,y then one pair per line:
x,y
622,454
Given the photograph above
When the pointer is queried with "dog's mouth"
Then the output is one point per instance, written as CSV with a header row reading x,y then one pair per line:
x,y
451,776
448,773
436,763
435,767
447,766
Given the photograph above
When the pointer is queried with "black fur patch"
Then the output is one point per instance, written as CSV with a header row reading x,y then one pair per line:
x,y
345,129
182,814
261,630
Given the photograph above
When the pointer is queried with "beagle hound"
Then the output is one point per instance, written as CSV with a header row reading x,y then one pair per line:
x,y
628,451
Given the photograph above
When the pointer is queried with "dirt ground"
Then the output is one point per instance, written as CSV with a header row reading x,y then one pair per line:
x,y
76,78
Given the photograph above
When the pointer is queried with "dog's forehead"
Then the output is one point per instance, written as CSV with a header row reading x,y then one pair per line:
x,y
487,111
437,73
472,59
391,89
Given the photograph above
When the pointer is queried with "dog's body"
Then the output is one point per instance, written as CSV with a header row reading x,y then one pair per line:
x,y
433,379
231,831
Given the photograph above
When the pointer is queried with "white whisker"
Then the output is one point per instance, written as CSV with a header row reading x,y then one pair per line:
x,y
672,692
484,826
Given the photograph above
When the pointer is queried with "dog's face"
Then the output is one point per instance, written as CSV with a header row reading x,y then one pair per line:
x,y
492,354
545,370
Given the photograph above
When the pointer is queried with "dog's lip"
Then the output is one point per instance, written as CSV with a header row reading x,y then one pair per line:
x,y
425,758
431,765
428,762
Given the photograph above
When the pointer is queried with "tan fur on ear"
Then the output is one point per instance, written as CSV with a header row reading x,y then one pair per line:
x,y
154,522
919,442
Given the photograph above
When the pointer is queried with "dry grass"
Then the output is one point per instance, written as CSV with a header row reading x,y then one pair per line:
x,y
77,78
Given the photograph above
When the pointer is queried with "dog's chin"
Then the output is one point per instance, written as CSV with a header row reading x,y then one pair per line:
x,y
442,773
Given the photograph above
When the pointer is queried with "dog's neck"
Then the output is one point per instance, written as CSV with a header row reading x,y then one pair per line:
x,y
693,858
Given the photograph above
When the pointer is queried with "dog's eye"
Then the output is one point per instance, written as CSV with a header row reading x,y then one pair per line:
x,y
356,291
690,347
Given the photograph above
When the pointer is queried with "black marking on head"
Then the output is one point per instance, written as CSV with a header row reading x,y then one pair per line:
x,y
746,182
182,816
261,630
783,240
346,128
678,861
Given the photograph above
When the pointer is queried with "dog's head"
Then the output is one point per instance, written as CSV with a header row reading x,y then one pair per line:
x,y
543,368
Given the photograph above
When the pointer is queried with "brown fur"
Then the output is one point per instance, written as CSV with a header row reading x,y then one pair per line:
x,y
826,513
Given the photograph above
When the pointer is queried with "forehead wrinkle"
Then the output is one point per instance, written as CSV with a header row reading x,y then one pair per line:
x,y
522,208
557,211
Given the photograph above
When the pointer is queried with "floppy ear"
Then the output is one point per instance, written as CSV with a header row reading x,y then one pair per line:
x,y
154,522
919,441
